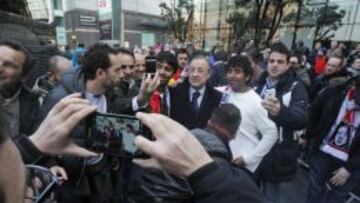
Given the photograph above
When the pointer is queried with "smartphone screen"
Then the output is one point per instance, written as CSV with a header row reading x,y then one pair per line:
x,y
113,134
150,63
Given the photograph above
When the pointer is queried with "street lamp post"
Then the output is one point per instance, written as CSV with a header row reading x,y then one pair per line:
x,y
73,40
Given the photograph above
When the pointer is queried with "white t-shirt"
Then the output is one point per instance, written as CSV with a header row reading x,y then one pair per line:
x,y
257,133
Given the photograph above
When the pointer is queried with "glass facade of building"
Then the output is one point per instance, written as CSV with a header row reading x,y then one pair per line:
x,y
210,27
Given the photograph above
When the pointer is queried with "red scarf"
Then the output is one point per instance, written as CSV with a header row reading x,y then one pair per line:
x,y
155,102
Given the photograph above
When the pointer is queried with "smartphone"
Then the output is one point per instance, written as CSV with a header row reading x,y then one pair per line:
x,y
113,134
270,93
150,64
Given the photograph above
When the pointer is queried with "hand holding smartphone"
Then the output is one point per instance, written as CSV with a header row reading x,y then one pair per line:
x,y
270,93
113,134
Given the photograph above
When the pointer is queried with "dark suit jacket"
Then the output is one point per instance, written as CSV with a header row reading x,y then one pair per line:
x,y
181,110
120,98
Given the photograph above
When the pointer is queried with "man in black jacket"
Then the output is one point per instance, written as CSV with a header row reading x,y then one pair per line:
x,y
286,102
334,126
178,152
20,104
193,101
333,75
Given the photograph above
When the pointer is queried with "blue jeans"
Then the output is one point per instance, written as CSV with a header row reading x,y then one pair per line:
x,y
273,192
321,168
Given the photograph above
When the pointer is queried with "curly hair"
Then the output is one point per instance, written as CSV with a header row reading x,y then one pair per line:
x,y
181,51
241,62
169,58
96,57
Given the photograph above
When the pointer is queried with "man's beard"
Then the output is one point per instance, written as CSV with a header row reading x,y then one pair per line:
x,y
8,90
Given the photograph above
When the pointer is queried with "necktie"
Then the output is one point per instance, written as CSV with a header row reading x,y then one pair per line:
x,y
164,108
194,102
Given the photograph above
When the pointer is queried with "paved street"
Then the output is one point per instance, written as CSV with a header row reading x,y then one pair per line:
x,y
296,190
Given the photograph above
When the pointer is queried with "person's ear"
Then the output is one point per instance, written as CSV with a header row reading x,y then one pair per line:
x,y
210,123
50,75
100,73
248,79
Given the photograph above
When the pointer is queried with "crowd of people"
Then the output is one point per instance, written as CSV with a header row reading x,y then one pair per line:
x,y
226,126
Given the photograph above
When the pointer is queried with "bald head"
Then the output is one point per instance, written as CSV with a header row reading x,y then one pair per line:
x,y
58,65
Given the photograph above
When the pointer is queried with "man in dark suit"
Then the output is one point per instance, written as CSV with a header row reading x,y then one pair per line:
x,y
193,101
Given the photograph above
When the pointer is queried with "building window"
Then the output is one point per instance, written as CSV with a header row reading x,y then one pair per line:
x,y
59,21
58,5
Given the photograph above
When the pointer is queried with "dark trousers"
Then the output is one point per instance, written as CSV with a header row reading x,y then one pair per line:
x,y
321,168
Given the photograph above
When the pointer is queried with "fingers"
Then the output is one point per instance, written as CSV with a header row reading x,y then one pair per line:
x,y
74,95
238,161
272,99
153,122
334,179
74,115
74,150
61,173
148,163
145,145
338,179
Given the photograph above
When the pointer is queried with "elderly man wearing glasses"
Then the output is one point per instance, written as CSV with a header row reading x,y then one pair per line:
x,y
193,100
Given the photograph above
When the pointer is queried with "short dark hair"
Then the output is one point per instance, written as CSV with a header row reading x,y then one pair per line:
x,y
182,51
220,55
19,47
356,57
122,50
296,56
96,57
169,58
243,62
280,48
228,116
81,44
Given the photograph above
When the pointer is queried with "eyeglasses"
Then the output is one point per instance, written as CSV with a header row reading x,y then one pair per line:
x,y
40,184
127,66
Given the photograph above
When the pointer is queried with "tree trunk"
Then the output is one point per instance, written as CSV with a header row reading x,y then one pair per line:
x,y
275,21
296,26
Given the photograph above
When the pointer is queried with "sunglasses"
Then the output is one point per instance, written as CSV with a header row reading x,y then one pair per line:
x,y
40,184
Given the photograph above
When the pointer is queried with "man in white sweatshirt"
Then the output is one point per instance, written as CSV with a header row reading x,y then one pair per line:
x,y
257,133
